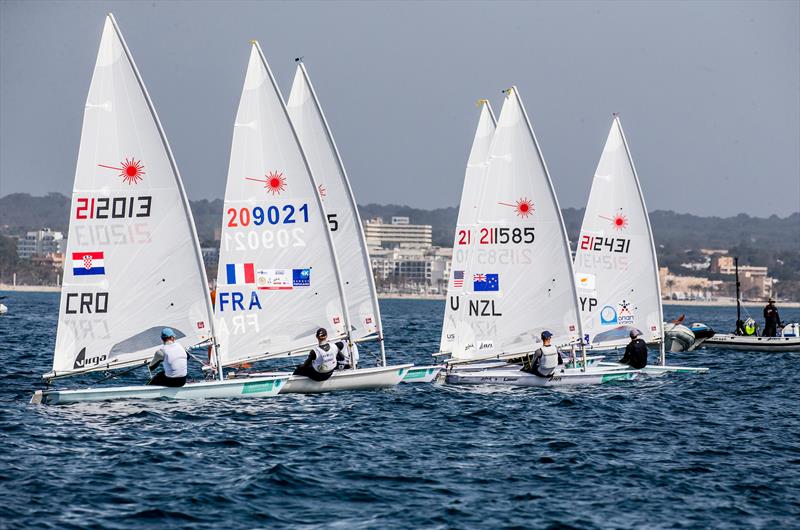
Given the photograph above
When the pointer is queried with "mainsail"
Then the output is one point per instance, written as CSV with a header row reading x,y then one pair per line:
x,y
340,205
458,336
133,264
616,270
277,280
519,280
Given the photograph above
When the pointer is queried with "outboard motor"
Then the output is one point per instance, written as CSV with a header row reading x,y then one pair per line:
x,y
792,330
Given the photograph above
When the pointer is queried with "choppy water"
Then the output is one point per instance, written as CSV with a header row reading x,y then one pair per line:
x,y
716,450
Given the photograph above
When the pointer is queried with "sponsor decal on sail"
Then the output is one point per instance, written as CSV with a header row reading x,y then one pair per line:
x,y
131,170
282,279
486,282
522,207
301,277
239,274
608,316
625,315
88,263
274,182
619,220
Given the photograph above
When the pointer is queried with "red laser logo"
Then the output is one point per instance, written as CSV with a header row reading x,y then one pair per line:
x,y
523,207
274,182
131,170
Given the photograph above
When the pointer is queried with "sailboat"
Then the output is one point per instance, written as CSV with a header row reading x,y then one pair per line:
x,y
616,267
135,264
515,278
344,221
280,276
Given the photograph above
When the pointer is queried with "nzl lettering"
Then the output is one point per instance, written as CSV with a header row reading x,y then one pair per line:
x,y
587,304
112,207
483,308
83,303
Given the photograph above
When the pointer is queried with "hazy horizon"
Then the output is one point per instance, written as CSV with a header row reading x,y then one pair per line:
x,y
709,92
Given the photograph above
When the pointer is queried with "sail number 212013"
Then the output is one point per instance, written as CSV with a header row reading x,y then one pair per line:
x,y
497,236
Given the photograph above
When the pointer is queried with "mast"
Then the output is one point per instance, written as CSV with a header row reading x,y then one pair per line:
x,y
662,351
352,200
738,303
184,199
328,236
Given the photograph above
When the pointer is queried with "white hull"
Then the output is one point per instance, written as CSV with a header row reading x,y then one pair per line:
x,y
657,370
569,377
591,360
751,343
267,386
3,309
422,374
360,379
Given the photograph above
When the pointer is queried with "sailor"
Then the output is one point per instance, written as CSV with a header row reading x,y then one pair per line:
x,y
321,360
174,358
636,351
347,357
545,360
772,319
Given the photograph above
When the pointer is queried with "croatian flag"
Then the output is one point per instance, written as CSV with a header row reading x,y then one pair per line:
x,y
458,278
240,273
486,282
88,263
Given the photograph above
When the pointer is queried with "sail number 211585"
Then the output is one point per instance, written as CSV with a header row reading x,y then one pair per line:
x,y
497,236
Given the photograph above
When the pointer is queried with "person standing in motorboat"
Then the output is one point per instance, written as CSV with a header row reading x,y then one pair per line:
x,y
347,357
772,320
636,351
321,360
174,358
544,360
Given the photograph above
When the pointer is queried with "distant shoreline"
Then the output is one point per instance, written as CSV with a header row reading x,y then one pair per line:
x,y
396,296
696,303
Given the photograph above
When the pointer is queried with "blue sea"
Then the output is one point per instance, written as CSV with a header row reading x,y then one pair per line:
x,y
719,450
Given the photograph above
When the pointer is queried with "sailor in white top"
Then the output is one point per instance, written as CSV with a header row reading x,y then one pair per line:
x,y
321,360
174,358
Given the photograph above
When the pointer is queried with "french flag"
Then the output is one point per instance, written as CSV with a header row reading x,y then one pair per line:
x,y
88,263
240,273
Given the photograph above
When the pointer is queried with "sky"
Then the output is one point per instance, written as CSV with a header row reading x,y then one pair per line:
x,y
708,92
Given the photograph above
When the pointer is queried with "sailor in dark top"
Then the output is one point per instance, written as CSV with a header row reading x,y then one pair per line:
x,y
772,320
635,352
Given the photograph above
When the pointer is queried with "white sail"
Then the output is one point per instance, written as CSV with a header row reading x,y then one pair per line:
x,y
340,205
519,278
277,280
457,334
133,264
616,270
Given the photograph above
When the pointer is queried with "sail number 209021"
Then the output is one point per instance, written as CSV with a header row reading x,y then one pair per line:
x,y
273,215
497,236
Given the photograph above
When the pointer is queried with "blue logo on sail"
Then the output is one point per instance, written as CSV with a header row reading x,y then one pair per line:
x,y
301,277
608,316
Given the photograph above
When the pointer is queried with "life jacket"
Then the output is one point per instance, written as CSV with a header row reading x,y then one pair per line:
x,y
346,356
548,362
325,360
749,327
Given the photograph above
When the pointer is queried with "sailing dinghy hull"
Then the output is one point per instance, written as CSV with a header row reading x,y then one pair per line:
x,y
657,370
256,387
569,377
422,374
359,379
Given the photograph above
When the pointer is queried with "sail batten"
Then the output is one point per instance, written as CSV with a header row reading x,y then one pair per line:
x,y
125,277
616,267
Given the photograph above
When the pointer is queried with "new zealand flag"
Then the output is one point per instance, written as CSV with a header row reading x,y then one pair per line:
x,y
486,282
